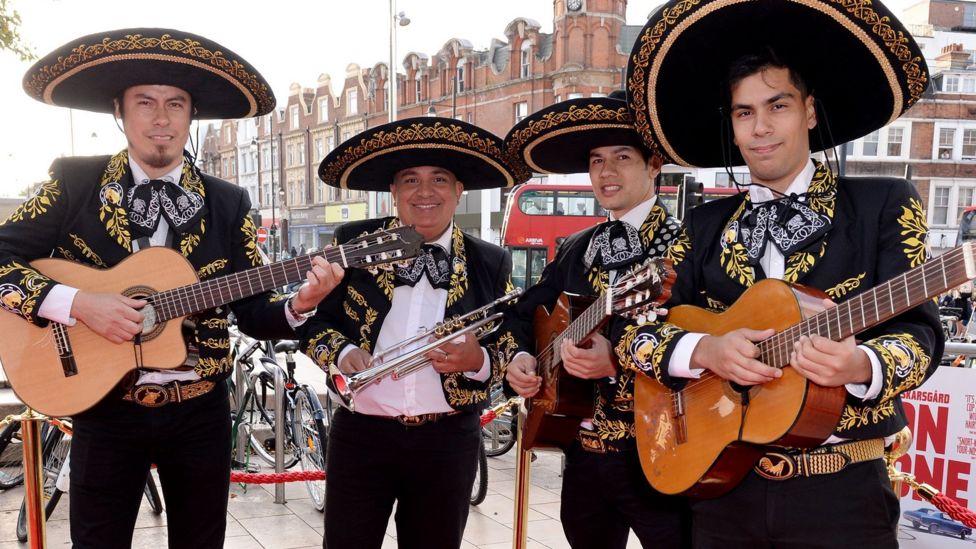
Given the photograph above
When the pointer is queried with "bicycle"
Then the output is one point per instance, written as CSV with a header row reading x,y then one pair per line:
x,y
305,419
55,458
499,435
11,456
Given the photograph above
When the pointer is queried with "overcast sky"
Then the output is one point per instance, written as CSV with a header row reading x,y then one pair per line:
x,y
329,34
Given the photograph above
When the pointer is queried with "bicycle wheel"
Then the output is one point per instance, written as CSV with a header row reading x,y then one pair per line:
x,y
311,440
152,495
499,435
479,489
55,452
11,456
260,415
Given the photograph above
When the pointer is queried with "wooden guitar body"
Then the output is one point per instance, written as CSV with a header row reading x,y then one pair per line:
x,y
703,439
553,415
30,356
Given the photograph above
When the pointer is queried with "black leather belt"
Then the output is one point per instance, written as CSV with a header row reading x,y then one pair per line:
x,y
152,395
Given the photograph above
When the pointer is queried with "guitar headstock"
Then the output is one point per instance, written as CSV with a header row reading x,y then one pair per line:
x,y
381,248
638,292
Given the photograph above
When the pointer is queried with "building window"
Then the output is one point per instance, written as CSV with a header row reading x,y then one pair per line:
x,y
946,138
869,147
969,144
300,149
290,156
319,153
324,109
950,83
969,85
227,135
460,76
319,191
521,111
964,199
293,111
330,143
598,95
574,95
895,138
940,206
525,65
352,98
418,91
267,124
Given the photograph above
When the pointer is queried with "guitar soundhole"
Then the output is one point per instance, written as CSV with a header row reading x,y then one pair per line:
x,y
151,327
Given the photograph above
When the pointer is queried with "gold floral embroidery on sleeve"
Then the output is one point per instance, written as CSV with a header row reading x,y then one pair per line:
x,y
845,287
459,269
251,241
679,248
860,416
39,203
211,268
324,348
904,360
209,366
644,349
914,230
370,316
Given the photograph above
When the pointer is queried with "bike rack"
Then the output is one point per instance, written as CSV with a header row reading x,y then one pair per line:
x,y
953,347
279,429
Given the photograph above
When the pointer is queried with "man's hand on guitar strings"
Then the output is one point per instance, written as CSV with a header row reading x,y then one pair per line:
x,y
521,375
733,357
321,279
112,316
830,363
595,361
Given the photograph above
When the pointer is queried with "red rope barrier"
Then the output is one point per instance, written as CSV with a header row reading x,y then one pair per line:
x,y
274,478
954,509
488,417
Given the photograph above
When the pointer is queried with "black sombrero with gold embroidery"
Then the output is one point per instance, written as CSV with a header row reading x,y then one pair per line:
x,y
87,73
859,62
369,160
559,138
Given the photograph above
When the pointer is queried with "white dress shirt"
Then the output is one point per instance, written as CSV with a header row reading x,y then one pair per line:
x,y
774,265
414,310
56,307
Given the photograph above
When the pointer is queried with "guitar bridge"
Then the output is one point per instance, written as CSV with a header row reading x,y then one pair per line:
x,y
65,355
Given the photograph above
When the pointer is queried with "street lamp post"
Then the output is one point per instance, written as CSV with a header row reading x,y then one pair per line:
x,y
396,19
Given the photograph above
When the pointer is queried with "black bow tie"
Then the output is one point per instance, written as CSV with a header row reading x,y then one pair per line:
x,y
148,201
787,222
615,244
431,262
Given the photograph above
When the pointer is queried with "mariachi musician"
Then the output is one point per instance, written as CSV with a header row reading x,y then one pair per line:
x,y
604,493
97,211
764,84
414,440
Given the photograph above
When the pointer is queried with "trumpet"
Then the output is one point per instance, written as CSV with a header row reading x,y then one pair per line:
x,y
478,322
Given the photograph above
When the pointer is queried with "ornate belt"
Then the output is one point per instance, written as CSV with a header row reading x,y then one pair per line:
x,y
422,419
823,460
152,395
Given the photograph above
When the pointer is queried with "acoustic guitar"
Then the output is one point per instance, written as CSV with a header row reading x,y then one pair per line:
x,y
554,414
61,370
703,439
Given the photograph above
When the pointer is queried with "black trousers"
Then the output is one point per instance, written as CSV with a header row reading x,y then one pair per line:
x,y
853,508
427,470
113,447
604,496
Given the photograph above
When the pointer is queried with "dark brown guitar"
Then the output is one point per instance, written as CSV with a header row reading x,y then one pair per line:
x,y
702,440
554,414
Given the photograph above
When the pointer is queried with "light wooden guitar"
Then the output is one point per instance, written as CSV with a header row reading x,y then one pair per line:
x,y
61,370
554,414
702,440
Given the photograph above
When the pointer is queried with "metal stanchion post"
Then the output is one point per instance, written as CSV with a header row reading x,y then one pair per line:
x,y
279,430
30,430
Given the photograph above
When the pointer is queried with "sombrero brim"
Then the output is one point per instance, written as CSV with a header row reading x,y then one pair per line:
x,y
87,73
370,160
859,62
559,138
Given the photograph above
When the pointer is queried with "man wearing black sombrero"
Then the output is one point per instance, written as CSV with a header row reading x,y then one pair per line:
x,y
413,440
99,210
604,494
716,83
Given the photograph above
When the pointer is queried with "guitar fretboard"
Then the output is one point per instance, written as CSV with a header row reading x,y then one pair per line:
x,y
578,330
874,306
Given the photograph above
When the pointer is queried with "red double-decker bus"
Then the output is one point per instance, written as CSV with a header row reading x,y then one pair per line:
x,y
539,216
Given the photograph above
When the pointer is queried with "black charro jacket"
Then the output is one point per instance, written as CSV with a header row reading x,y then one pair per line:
x,y
878,231
354,311
80,215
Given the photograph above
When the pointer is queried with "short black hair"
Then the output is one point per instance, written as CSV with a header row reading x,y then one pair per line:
x,y
767,58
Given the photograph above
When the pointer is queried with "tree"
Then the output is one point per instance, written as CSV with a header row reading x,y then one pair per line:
x,y
9,36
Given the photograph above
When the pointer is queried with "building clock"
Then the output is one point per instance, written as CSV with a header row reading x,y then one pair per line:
x,y
574,5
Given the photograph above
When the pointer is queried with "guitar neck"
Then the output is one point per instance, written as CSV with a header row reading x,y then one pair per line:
x,y
581,328
193,298
872,307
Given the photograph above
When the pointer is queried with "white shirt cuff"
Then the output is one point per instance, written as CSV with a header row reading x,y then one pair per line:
x,y
865,391
680,363
484,372
293,321
342,354
57,305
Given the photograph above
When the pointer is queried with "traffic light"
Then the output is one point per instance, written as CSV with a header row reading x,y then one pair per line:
x,y
256,217
694,192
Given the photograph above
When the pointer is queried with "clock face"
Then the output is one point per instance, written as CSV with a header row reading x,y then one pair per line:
x,y
574,5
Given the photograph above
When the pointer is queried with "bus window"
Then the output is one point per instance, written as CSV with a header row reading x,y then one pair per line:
x,y
580,203
537,202
527,265
519,267
537,259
